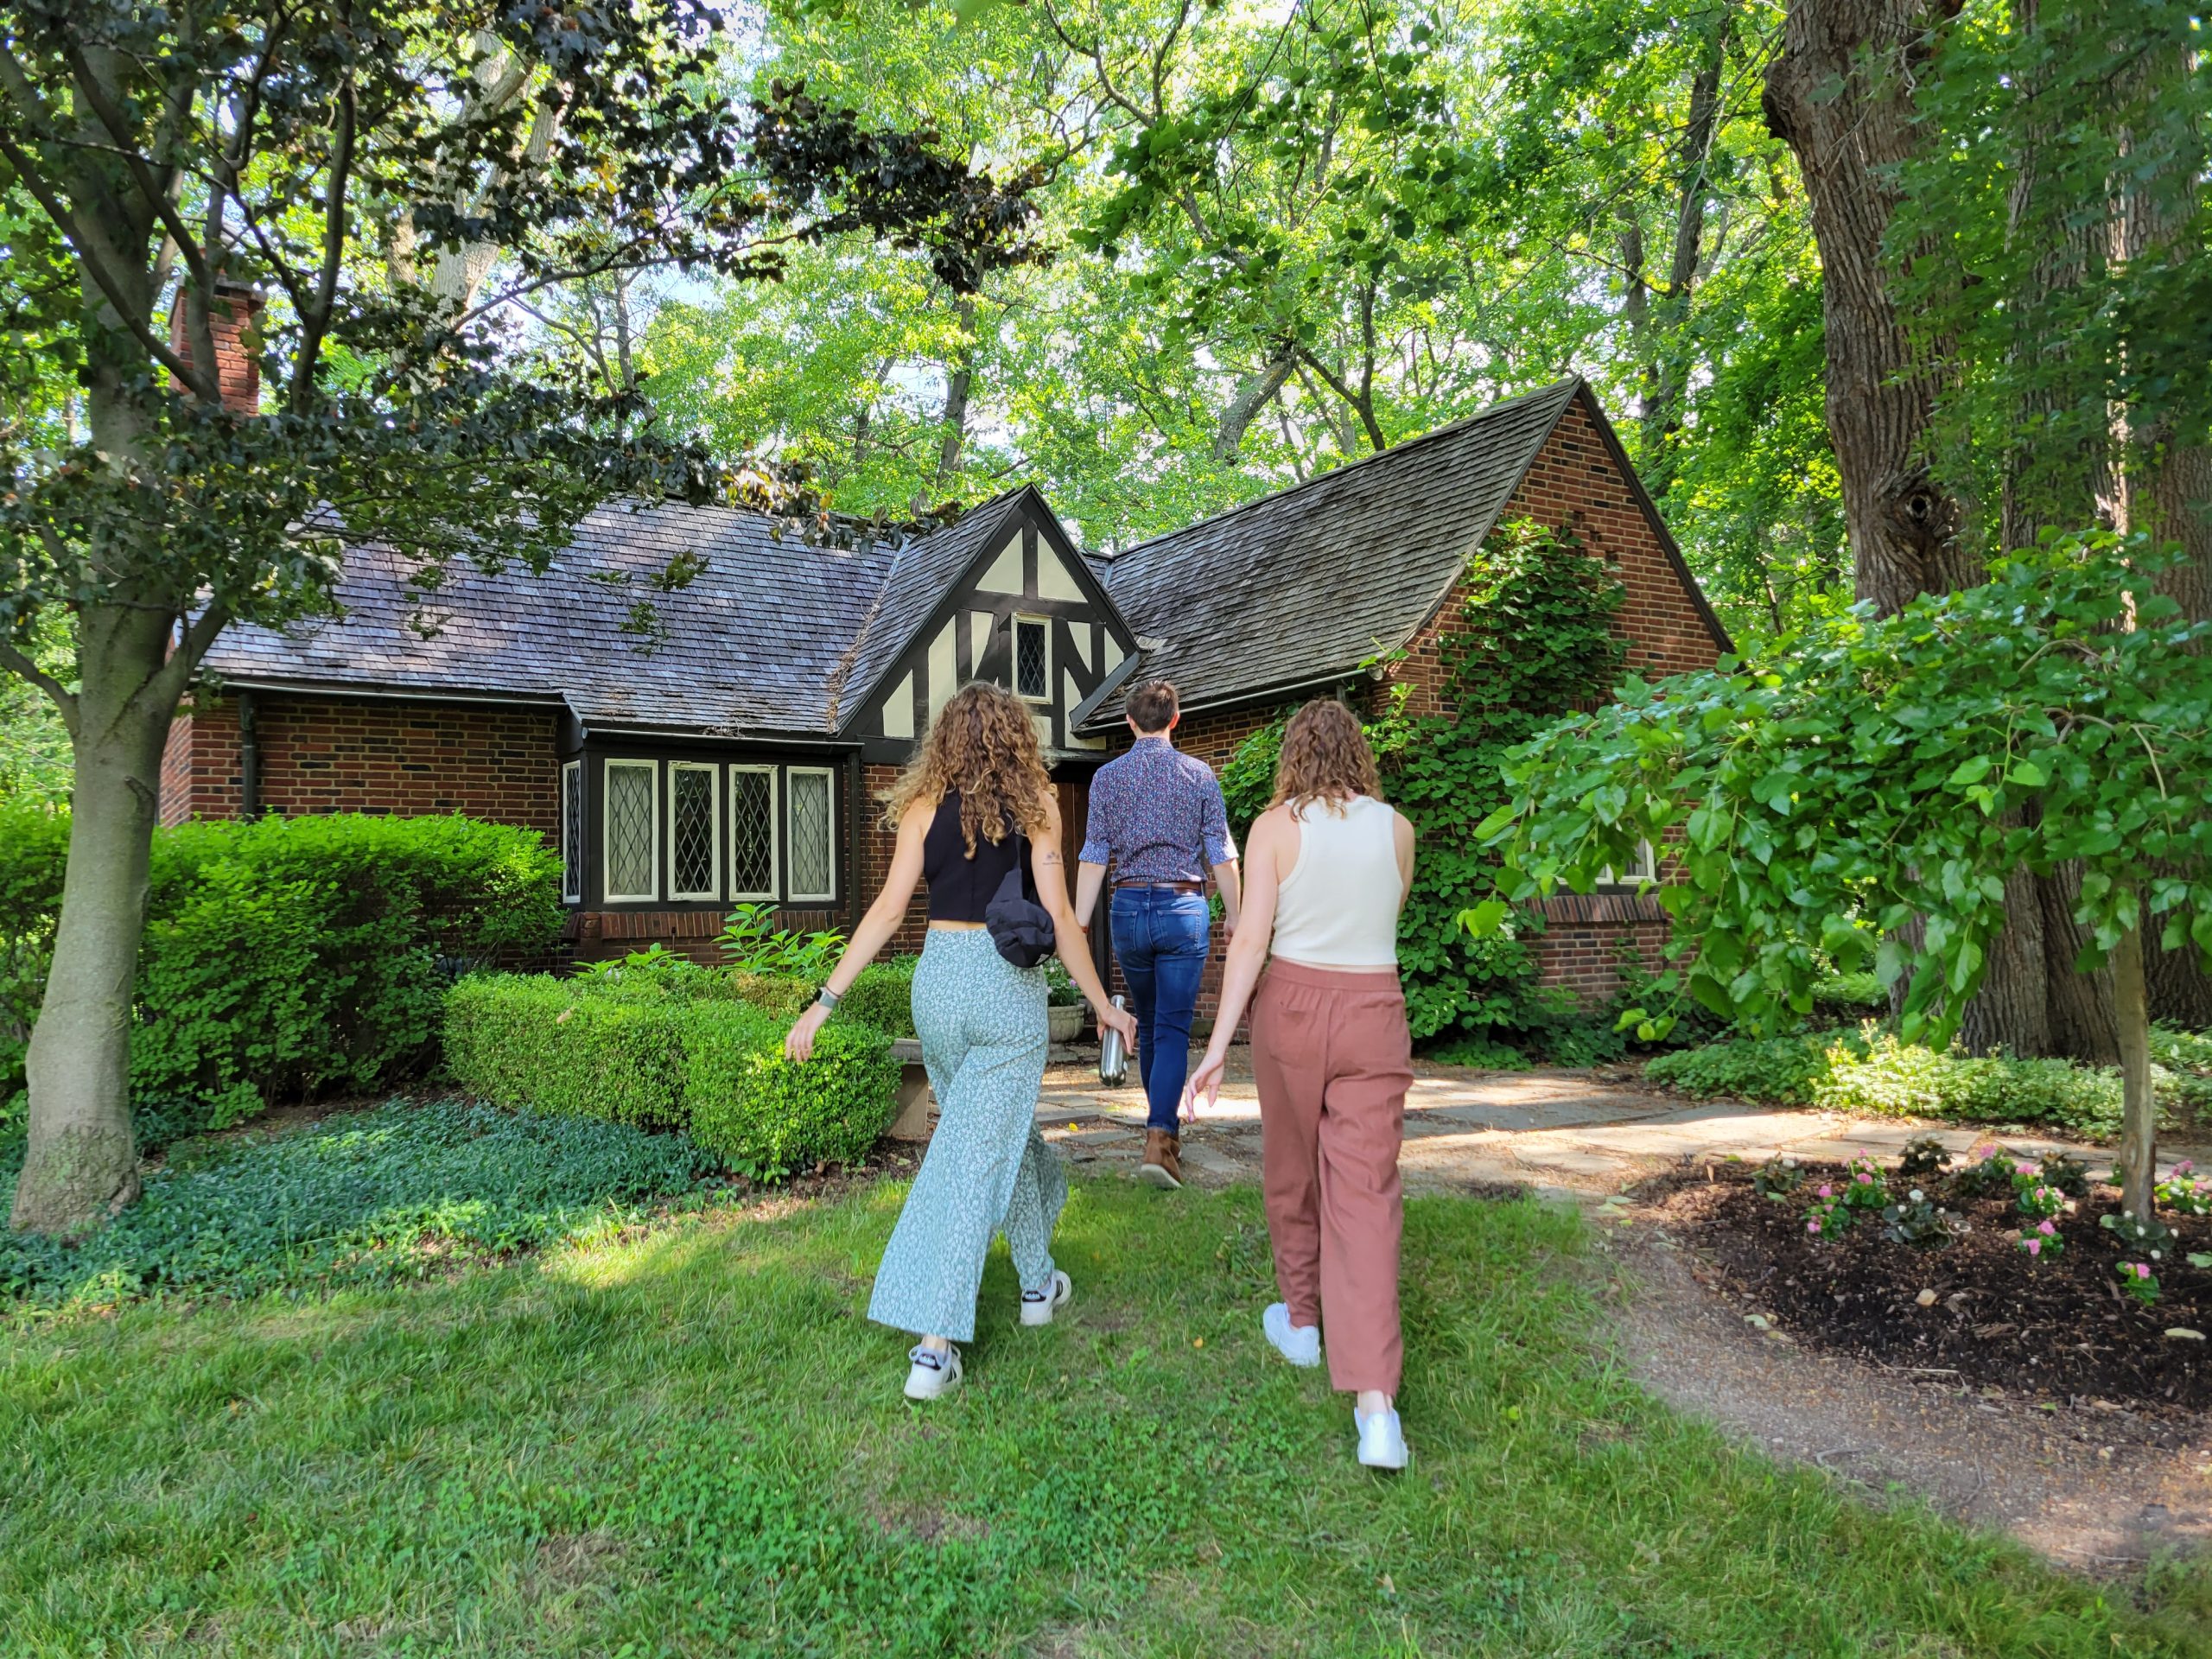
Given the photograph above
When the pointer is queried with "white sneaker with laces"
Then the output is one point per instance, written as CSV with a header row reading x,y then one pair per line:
x,y
1299,1344
935,1371
1382,1440
1038,1306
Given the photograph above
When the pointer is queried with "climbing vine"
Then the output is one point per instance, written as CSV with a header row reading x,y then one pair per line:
x,y
1528,640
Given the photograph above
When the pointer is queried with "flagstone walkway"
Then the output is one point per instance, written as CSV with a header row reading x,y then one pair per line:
x,y
1564,1134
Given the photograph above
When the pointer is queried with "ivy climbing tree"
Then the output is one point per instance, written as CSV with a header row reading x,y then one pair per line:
x,y
1528,638
1890,768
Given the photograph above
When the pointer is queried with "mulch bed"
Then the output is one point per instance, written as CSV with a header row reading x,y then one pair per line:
x,y
2057,1329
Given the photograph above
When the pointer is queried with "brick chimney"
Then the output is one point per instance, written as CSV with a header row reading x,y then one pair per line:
x,y
235,306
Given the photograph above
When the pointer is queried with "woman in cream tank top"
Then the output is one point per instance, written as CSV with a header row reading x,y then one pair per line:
x,y
1327,870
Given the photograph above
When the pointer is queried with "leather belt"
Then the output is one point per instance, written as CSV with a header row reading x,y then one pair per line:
x,y
1168,886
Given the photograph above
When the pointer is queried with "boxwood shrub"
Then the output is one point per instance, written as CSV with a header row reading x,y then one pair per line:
x,y
883,996
286,956
680,1051
766,1118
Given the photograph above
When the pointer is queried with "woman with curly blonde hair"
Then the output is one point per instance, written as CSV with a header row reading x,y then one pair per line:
x,y
1327,869
974,805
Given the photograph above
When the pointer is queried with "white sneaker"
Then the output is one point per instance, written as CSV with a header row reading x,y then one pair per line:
x,y
935,1371
1038,1306
1381,1440
1299,1344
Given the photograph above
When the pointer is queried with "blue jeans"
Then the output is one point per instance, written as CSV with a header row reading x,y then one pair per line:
x,y
1161,938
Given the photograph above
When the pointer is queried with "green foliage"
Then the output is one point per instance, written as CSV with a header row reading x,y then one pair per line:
x,y
781,994
1849,996
288,957
751,942
2049,251
767,1118
679,1052
883,996
390,1194
1880,769
1898,1079
1530,640
1873,1074
1781,1069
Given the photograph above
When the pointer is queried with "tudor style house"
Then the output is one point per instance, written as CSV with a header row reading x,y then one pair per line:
x,y
733,748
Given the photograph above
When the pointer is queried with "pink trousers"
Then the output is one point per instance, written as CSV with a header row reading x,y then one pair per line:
x,y
1333,1061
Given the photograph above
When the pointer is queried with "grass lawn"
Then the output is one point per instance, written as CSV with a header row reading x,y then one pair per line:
x,y
689,1441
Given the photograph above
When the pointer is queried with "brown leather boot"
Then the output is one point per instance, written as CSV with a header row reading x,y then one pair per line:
x,y
1163,1160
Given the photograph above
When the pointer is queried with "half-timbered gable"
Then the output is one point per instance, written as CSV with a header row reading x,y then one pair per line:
x,y
1025,612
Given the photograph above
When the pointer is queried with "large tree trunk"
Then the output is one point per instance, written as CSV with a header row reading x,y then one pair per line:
x,y
80,1165
1666,367
1251,397
1839,96
2057,477
2165,484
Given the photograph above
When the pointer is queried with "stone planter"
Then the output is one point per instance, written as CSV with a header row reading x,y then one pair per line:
x,y
1065,1024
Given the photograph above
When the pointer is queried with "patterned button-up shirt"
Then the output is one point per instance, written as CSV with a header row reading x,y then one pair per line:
x,y
1156,815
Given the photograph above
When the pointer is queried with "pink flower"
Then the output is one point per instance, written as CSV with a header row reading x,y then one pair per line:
x,y
1811,1226
1826,1191
2046,1229
2035,1247
2142,1269
1864,1176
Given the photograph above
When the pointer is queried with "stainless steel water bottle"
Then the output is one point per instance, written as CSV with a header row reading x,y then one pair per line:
x,y
1113,1057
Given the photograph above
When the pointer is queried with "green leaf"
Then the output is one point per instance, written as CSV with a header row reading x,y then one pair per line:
x,y
1484,919
2025,774
1970,770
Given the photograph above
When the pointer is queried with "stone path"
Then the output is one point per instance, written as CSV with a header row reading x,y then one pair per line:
x,y
1564,1134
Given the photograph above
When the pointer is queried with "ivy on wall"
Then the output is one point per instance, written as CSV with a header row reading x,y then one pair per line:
x,y
1529,639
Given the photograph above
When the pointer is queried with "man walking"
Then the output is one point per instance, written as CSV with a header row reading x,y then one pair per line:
x,y
1157,818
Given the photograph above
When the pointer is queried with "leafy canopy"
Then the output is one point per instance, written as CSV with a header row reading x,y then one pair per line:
x,y
1888,768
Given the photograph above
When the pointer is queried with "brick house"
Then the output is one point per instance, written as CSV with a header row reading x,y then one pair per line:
x,y
731,747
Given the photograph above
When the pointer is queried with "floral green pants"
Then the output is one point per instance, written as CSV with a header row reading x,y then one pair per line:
x,y
982,1026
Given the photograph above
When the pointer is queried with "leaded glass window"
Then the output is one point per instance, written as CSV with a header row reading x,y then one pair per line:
x,y
694,826
572,832
631,821
813,837
752,832
1032,665
1646,868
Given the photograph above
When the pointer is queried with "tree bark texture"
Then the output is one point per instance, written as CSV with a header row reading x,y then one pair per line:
x,y
1839,95
1251,397
80,1164
2165,484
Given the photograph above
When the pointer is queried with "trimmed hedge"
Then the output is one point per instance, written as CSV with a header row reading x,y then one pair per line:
x,y
680,1051
286,956
883,996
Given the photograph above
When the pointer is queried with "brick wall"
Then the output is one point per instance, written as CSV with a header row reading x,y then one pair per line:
x,y
407,760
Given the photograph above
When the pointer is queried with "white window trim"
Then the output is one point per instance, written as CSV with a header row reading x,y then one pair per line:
x,y
1013,659
1647,869
606,840
828,774
572,858
714,889
775,830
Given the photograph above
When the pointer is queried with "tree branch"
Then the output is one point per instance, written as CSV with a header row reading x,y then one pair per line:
x,y
21,664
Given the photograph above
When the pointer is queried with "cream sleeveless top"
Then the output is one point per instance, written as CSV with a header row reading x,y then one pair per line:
x,y
1338,907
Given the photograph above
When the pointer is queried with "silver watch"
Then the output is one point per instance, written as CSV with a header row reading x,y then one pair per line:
x,y
827,998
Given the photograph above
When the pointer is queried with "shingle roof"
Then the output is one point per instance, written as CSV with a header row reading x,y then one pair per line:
x,y
1308,584
754,643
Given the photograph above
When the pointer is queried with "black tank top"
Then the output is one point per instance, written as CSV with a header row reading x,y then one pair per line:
x,y
960,886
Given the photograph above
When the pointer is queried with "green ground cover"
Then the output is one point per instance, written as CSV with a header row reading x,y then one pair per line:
x,y
685,1439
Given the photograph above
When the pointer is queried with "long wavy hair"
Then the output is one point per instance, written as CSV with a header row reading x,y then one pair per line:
x,y
982,744
1325,757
